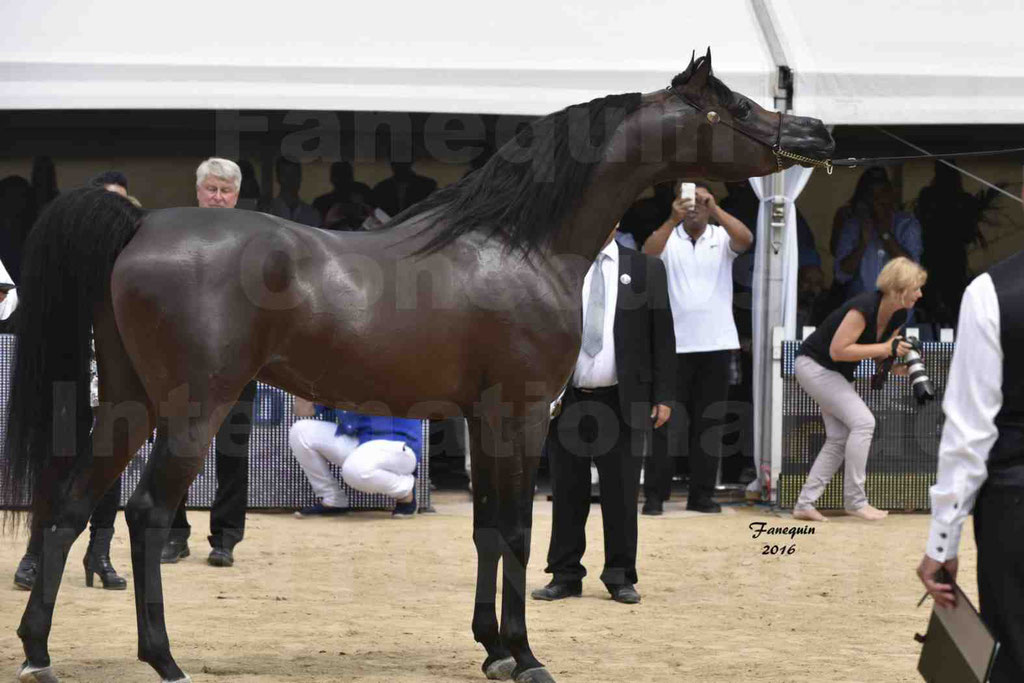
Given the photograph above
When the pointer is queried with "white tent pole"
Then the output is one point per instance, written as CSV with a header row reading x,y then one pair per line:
x,y
772,231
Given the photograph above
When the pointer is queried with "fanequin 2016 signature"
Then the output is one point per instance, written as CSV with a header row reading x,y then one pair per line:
x,y
763,528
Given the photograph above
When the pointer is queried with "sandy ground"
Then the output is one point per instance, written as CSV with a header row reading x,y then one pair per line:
x,y
368,598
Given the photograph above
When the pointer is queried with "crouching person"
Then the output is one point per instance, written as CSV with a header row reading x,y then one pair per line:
x,y
375,454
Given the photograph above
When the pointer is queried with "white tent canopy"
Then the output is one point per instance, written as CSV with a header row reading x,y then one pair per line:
x,y
913,62
530,57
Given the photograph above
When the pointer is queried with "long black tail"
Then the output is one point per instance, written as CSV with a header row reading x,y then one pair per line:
x,y
65,273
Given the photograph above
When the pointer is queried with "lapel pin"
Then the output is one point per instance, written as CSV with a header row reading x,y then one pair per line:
x,y
625,278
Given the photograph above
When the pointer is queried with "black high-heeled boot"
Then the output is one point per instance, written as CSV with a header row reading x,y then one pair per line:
x,y
97,561
27,571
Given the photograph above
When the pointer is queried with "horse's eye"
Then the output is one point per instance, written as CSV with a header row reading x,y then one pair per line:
x,y
742,111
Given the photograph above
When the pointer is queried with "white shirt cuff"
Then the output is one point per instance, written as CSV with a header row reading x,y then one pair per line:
x,y
943,541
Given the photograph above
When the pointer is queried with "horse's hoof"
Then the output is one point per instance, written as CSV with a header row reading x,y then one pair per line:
x,y
185,679
538,675
500,669
36,674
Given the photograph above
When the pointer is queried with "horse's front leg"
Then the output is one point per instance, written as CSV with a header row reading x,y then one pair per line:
x,y
150,511
519,450
487,539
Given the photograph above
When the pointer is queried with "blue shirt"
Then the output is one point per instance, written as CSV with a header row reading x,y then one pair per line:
x,y
905,230
373,427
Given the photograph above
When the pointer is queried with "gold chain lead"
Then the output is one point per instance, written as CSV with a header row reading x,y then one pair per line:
x,y
780,153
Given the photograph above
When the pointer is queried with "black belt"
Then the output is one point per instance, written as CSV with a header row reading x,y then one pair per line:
x,y
597,390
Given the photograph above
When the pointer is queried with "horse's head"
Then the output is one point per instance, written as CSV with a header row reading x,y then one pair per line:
x,y
731,137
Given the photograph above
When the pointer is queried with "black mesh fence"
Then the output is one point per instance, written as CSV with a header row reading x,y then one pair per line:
x,y
902,463
275,478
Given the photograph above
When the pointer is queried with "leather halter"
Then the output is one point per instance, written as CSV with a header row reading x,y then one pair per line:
x,y
780,153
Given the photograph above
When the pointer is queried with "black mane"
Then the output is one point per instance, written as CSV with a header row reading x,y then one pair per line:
x,y
526,189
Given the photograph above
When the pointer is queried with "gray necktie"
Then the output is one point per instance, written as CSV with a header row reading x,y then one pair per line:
x,y
592,333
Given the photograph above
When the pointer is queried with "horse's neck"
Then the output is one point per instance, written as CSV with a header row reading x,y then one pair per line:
x,y
613,188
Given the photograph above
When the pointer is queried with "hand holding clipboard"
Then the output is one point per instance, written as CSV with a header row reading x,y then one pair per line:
x,y
939,579
958,647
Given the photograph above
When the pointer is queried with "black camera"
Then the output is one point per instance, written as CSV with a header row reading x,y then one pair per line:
x,y
921,384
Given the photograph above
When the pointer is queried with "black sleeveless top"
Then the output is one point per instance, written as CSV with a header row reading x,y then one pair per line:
x,y
816,347
1008,279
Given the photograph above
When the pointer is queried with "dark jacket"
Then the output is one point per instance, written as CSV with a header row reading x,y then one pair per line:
x,y
644,335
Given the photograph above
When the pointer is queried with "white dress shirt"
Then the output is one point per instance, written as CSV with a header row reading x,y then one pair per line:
x,y
974,396
700,289
600,371
11,301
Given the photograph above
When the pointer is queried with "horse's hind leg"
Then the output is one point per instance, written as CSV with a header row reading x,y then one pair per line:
x,y
149,514
69,495
487,539
185,428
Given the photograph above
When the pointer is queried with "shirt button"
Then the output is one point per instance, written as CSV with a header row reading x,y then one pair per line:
x,y
942,535
956,505
939,548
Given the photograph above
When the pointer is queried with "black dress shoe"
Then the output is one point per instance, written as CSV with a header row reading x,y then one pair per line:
x,y
625,593
28,569
703,505
221,557
653,506
557,590
173,551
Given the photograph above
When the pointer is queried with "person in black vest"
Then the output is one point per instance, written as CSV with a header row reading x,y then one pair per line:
x,y
866,326
218,182
981,461
616,396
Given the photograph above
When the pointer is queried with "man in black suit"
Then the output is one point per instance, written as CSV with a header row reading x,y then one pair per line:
x,y
617,396
403,189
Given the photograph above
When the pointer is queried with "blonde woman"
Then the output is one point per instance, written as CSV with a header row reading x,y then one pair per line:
x,y
864,327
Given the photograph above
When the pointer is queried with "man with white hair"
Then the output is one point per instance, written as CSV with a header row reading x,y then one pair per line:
x,y
218,182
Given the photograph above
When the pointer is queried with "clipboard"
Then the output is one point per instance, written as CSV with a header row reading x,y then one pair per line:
x,y
958,647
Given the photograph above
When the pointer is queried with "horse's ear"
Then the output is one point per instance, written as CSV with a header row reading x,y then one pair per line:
x,y
684,77
701,75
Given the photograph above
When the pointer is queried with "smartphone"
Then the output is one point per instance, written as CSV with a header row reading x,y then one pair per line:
x,y
688,191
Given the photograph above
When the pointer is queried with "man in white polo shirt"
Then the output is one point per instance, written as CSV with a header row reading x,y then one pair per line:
x,y
698,244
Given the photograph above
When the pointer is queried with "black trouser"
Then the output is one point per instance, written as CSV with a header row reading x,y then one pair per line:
x,y
695,429
999,533
591,426
106,510
227,515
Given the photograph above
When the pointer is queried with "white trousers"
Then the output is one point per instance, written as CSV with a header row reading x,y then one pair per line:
x,y
378,466
849,429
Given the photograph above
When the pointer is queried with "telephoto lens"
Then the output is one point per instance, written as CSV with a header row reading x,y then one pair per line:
x,y
921,384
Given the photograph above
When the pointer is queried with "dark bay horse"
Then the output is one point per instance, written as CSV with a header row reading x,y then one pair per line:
x,y
466,304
